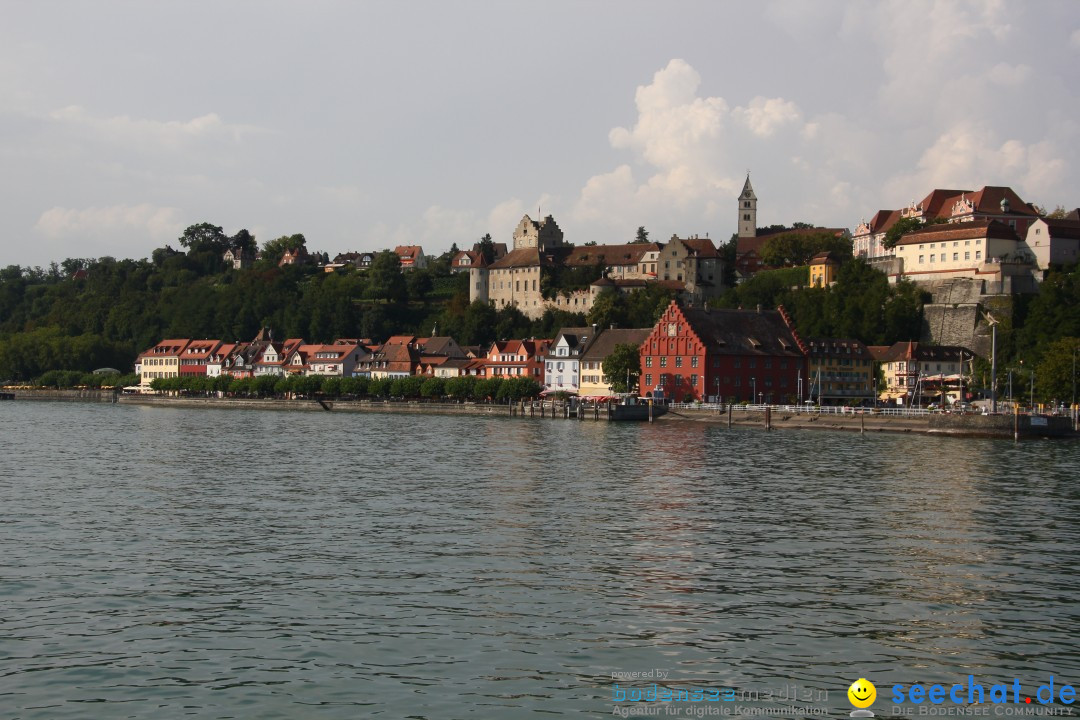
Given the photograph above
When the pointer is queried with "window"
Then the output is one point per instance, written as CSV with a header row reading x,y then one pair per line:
x,y
663,361
694,361
678,380
921,258
955,243
967,255
753,362
738,363
978,241
648,380
693,380
932,256
956,256
746,216
648,361
738,381
783,364
716,362
678,361
768,363
978,254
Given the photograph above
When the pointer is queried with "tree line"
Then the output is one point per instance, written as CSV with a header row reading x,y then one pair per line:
x,y
462,388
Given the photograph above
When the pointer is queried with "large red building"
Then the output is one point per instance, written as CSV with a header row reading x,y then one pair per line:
x,y
698,354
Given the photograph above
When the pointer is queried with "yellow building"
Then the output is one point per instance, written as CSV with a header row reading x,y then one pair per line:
x,y
593,381
160,361
841,372
823,269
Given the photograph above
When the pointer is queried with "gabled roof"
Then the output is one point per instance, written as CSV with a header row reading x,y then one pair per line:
x,y
882,221
522,257
743,332
476,259
409,252
960,231
199,349
825,258
834,347
166,347
988,202
1062,228
607,340
442,345
630,254
702,247
939,201
577,338
912,350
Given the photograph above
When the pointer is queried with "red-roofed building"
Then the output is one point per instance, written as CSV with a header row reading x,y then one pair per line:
x,y
465,260
984,249
516,358
216,362
411,256
1051,241
160,361
196,356
694,353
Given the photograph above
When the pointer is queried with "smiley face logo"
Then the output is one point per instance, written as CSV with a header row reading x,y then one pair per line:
x,y
862,693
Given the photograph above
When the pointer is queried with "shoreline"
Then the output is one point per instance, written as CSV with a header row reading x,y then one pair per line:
x,y
961,426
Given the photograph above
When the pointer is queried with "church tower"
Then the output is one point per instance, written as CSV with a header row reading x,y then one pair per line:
x,y
747,211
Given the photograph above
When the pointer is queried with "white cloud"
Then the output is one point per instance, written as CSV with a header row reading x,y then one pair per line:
x,y
764,116
973,155
159,135
688,145
1009,75
1074,39
159,223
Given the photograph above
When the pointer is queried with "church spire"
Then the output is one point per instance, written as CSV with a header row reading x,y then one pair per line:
x,y
748,189
747,210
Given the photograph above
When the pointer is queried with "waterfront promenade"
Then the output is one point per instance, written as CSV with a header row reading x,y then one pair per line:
x,y
781,417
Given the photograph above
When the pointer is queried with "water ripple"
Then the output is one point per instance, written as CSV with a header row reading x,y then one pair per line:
x,y
167,562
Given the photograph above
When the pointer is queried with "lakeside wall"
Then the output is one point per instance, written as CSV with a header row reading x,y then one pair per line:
x,y
990,426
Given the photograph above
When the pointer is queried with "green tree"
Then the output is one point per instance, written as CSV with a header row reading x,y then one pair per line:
x,y
419,285
642,235
380,387
462,387
274,249
622,367
433,387
608,309
385,281
487,389
1056,376
901,227
205,238
487,248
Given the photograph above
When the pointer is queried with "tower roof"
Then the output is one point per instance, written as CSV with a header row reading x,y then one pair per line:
x,y
748,189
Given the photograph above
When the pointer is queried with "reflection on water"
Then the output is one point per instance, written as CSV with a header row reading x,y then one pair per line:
x,y
158,562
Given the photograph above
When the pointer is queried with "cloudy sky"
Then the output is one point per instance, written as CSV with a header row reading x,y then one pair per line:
x,y
368,124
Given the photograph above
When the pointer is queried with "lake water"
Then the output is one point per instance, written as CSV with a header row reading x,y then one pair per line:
x,y
164,562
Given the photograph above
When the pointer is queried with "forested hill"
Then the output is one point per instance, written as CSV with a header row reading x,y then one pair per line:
x,y
84,314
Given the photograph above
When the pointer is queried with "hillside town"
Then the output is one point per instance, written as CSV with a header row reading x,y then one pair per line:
x,y
968,249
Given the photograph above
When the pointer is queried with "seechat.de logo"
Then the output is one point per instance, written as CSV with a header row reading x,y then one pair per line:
x,y
862,694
